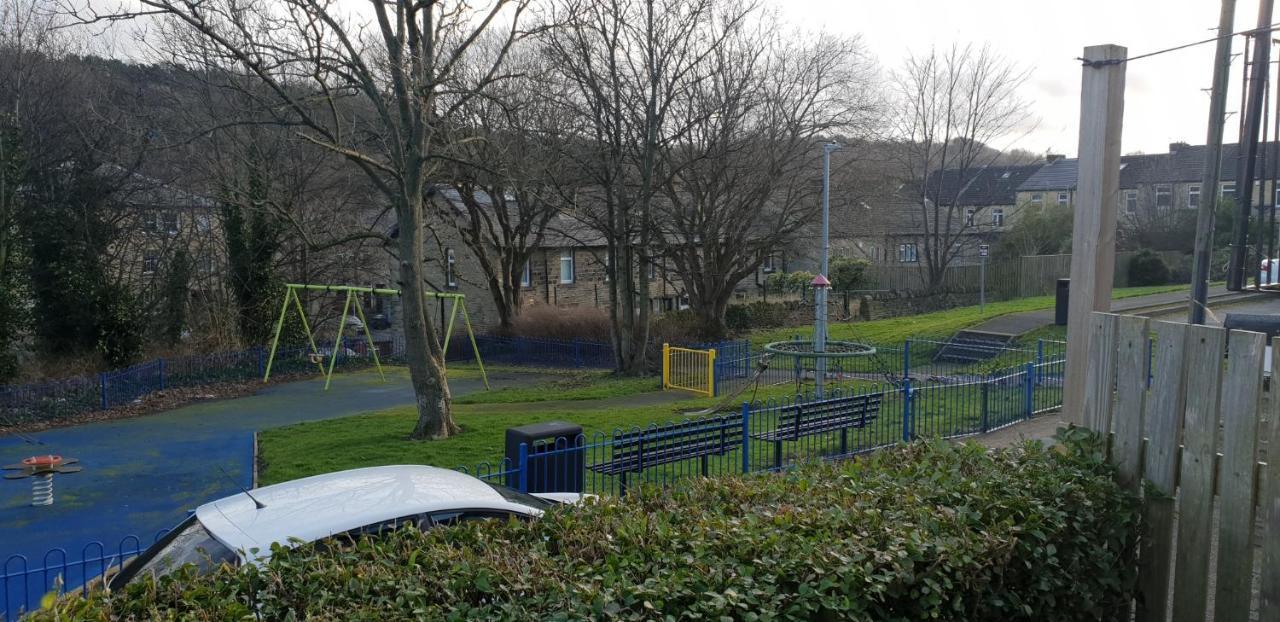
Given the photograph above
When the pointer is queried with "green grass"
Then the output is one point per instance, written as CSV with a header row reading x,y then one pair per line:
x,y
938,324
577,386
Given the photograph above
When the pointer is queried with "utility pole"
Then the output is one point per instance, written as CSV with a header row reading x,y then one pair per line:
x,y
1212,165
1093,233
1260,69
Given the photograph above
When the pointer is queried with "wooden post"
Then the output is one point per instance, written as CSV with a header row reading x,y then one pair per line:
x,y
1093,242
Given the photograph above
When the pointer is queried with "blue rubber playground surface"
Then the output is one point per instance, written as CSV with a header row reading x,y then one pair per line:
x,y
142,475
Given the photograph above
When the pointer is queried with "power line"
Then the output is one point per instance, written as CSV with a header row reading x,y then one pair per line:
x,y
1116,61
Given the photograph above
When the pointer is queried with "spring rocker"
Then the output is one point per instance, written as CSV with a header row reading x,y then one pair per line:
x,y
41,470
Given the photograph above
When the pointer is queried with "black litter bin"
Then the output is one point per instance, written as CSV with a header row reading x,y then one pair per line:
x,y
1060,304
555,457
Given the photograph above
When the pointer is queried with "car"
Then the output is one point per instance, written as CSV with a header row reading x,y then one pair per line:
x,y
241,528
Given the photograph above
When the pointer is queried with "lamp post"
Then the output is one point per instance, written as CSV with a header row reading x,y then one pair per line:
x,y
821,286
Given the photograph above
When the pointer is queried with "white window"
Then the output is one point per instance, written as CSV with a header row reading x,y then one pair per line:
x,y
907,253
1228,189
1037,198
567,272
1164,197
968,216
1131,201
770,264
526,275
1064,198
202,223
997,217
450,268
150,262
1193,196
170,222
653,270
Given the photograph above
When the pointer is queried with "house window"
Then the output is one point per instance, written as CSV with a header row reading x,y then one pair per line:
x,y
1131,201
907,253
150,262
150,222
170,222
770,264
653,270
202,223
1228,189
1037,198
997,217
526,275
1164,197
450,268
968,216
1064,198
567,272
1193,196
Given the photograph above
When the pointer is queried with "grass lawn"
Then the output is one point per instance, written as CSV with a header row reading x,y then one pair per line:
x,y
939,324
580,385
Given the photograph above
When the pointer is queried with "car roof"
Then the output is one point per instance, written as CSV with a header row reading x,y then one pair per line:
x,y
320,506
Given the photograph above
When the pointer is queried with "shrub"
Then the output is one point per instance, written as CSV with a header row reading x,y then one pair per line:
x,y
757,314
551,322
1147,268
921,532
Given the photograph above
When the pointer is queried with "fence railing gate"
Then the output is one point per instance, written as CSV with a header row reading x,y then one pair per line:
x,y
690,370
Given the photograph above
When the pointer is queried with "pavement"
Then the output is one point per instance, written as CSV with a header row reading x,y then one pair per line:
x,y
1170,303
141,475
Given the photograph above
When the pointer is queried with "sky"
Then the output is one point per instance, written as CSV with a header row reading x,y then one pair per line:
x,y
1164,100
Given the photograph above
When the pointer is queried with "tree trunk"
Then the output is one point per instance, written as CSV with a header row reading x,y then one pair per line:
x,y
422,351
711,317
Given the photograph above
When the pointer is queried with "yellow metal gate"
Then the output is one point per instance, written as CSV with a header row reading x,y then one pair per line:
x,y
689,370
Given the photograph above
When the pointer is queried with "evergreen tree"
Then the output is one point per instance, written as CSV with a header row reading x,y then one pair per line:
x,y
13,316
177,283
254,237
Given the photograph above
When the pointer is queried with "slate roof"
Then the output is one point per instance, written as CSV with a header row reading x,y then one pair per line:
x,y
991,185
1184,164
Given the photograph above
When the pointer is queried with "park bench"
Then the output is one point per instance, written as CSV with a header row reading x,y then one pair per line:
x,y
638,450
812,418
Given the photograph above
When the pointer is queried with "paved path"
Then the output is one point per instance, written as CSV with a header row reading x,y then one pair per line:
x,y
141,474
1016,324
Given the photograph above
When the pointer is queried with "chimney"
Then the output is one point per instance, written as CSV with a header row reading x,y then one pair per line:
x,y
1053,157
1178,146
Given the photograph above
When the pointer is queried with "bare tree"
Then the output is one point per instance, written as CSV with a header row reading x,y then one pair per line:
x,y
624,66
745,178
955,106
376,85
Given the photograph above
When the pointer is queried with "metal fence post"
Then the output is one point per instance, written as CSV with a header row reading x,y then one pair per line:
x,y
906,411
577,352
986,401
1029,382
746,437
523,462
711,372
906,359
102,389
1039,358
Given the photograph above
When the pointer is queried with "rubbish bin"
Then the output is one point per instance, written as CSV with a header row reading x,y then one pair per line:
x,y
1060,304
555,456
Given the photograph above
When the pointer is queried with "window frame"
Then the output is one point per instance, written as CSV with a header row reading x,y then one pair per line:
x,y
908,252
570,256
170,221
970,214
450,268
1130,194
150,262
1165,191
1193,196
997,217
1064,198
1037,198
526,274
1226,188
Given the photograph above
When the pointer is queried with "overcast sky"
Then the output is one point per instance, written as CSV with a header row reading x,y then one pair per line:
x,y
1163,98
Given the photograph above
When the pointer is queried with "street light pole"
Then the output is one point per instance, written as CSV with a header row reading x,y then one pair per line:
x,y
821,285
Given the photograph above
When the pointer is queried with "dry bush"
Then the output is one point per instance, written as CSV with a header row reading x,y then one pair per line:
x,y
550,322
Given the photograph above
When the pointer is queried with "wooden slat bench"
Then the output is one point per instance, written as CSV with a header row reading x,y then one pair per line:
x,y
812,418
638,450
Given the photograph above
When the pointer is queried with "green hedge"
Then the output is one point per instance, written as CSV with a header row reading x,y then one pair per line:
x,y
922,532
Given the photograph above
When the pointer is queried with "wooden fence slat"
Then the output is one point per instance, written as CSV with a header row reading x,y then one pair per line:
x,y
1241,392
1132,361
1269,505
1100,376
1163,422
1204,353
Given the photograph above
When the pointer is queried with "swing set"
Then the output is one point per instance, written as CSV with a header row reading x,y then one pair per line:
x,y
291,295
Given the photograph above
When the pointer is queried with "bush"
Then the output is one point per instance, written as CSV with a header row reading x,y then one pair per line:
x,y
757,314
1147,268
922,532
549,322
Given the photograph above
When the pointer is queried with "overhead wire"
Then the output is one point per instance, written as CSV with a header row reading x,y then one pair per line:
x,y
1116,61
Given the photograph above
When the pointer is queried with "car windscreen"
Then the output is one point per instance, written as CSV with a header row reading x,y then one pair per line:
x,y
515,496
190,543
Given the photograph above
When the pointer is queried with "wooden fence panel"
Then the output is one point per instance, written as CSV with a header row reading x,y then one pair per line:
x,y
1205,350
1132,363
1269,505
1101,373
1163,420
1240,408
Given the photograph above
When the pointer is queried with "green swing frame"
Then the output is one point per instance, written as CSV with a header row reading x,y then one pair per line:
x,y
291,295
